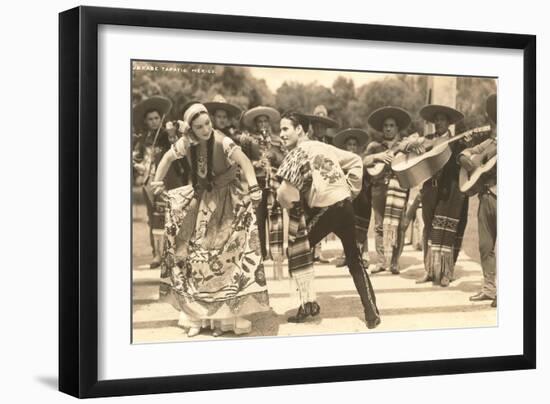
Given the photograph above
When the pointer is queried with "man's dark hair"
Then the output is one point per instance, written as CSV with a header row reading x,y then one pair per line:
x,y
297,119
151,110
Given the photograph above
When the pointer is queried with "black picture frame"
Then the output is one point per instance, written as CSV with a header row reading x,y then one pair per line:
x,y
78,201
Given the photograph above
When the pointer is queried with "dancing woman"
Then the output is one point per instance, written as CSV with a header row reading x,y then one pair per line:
x,y
212,250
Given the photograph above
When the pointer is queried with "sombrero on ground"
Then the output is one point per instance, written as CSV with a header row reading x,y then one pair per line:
x,y
430,111
340,139
250,115
219,102
156,103
377,118
320,114
491,107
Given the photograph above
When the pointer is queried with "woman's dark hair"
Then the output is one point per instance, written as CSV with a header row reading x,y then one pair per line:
x,y
297,119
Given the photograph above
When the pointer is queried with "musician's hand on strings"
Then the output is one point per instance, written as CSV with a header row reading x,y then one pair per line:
x,y
466,163
385,157
418,148
158,187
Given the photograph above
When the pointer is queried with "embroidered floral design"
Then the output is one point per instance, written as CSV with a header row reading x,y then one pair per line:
x,y
234,245
210,249
216,265
259,275
326,168
254,242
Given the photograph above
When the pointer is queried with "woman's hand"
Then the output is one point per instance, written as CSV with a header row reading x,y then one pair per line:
x,y
255,194
183,127
158,187
186,133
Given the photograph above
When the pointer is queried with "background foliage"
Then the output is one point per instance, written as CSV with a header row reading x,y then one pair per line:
x,y
347,104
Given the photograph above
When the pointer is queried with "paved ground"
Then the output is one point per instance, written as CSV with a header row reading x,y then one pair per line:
x,y
403,304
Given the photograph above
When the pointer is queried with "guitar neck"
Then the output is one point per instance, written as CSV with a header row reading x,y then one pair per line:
x,y
471,132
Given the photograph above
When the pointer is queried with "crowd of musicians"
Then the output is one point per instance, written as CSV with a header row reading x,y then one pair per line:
x,y
218,180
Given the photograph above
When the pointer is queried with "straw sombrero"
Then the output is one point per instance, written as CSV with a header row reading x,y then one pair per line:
x,y
250,115
340,139
218,102
491,107
161,104
320,114
377,118
430,111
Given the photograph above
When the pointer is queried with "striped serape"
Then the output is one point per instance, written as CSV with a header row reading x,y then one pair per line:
x,y
396,202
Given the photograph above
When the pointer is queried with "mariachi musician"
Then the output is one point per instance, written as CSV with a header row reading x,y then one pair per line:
x,y
321,125
318,183
487,212
389,199
149,116
223,113
444,207
265,150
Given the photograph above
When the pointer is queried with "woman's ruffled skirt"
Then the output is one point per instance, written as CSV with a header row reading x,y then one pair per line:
x,y
212,255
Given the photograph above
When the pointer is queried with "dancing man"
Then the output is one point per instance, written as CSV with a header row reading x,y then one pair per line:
x,y
321,180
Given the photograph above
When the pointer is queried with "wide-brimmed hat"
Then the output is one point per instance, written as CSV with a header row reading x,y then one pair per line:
x,y
320,114
218,102
250,115
491,107
161,104
340,139
430,111
377,118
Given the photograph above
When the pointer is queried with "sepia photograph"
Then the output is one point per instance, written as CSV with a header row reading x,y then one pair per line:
x,y
285,202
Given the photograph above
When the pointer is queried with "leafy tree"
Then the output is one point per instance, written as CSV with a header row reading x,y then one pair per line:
x,y
472,92
347,104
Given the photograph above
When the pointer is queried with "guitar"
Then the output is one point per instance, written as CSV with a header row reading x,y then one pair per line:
x,y
376,169
469,183
412,169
